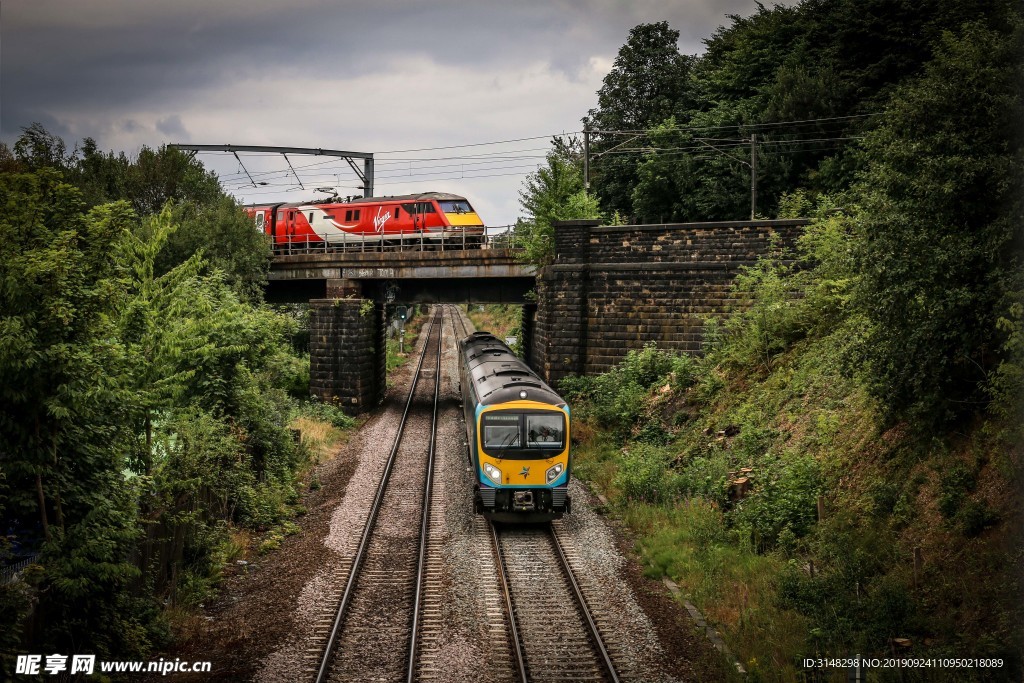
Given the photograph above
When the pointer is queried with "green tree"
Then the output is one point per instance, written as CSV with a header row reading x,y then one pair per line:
x,y
553,193
227,240
156,326
939,246
64,409
646,85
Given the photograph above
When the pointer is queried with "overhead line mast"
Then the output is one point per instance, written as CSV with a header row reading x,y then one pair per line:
x,y
365,175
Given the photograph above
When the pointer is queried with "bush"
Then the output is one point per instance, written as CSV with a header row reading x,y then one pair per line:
x,y
645,476
785,497
618,399
316,409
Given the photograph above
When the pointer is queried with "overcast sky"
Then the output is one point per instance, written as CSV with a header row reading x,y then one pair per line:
x,y
379,76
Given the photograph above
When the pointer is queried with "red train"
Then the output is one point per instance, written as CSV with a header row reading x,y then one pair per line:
x,y
430,216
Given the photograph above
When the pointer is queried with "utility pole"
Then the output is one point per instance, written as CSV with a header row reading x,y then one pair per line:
x,y
753,175
586,159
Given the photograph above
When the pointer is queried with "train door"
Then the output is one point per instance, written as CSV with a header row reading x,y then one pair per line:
x,y
278,226
261,220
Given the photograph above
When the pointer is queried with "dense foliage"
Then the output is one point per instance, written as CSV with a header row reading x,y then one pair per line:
x,y
143,393
553,193
849,447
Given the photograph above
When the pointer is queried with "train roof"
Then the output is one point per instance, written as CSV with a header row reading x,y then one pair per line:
x,y
420,196
498,375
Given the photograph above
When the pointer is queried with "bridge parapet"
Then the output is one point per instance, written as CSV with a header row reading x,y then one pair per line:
x,y
615,288
407,264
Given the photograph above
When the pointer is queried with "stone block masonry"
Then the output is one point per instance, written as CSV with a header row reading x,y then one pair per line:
x,y
347,353
615,288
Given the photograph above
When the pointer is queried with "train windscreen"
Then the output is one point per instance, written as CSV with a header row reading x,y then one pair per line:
x,y
504,431
501,430
544,431
456,206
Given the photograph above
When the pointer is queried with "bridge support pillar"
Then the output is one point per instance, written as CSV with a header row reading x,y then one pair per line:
x,y
560,334
347,353
526,335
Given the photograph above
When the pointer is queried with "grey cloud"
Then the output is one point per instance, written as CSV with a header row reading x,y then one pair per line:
x,y
153,53
172,127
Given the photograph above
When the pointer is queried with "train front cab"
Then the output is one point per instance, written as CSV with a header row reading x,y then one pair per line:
x,y
522,461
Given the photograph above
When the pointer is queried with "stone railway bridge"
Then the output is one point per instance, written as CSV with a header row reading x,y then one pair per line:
x,y
609,289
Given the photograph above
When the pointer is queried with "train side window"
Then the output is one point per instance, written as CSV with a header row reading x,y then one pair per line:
x,y
425,207
398,212
348,215
355,215
310,216
280,215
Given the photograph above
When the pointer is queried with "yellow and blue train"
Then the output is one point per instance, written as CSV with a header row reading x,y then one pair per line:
x,y
518,432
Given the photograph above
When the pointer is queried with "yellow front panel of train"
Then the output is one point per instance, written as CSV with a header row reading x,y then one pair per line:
x,y
519,472
467,219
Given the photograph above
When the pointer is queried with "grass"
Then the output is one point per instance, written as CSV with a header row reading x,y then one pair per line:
x,y
501,320
399,351
319,436
687,540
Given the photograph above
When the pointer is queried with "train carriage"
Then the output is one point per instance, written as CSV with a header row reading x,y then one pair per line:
x,y
431,216
518,434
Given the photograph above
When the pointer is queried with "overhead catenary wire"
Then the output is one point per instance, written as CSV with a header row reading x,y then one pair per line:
x,y
480,163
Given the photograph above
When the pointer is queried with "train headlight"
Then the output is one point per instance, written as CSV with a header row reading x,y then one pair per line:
x,y
554,471
492,472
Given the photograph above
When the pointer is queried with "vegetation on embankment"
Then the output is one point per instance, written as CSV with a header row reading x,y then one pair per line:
x,y
840,473
719,468
400,348
146,397
501,320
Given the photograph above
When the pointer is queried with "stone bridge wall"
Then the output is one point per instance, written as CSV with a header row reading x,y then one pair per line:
x,y
347,353
614,288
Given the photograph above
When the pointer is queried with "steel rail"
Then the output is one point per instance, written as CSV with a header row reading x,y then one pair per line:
x,y
581,603
458,316
421,565
371,521
506,589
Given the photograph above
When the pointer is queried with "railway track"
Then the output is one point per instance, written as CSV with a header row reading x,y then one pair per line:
x,y
373,633
553,635
558,639
389,623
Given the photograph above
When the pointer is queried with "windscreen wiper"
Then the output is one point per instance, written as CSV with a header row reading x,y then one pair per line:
x,y
506,444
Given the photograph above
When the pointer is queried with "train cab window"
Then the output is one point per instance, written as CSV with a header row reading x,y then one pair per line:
x,y
501,430
456,206
348,215
544,431
355,215
310,216
398,212
425,207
